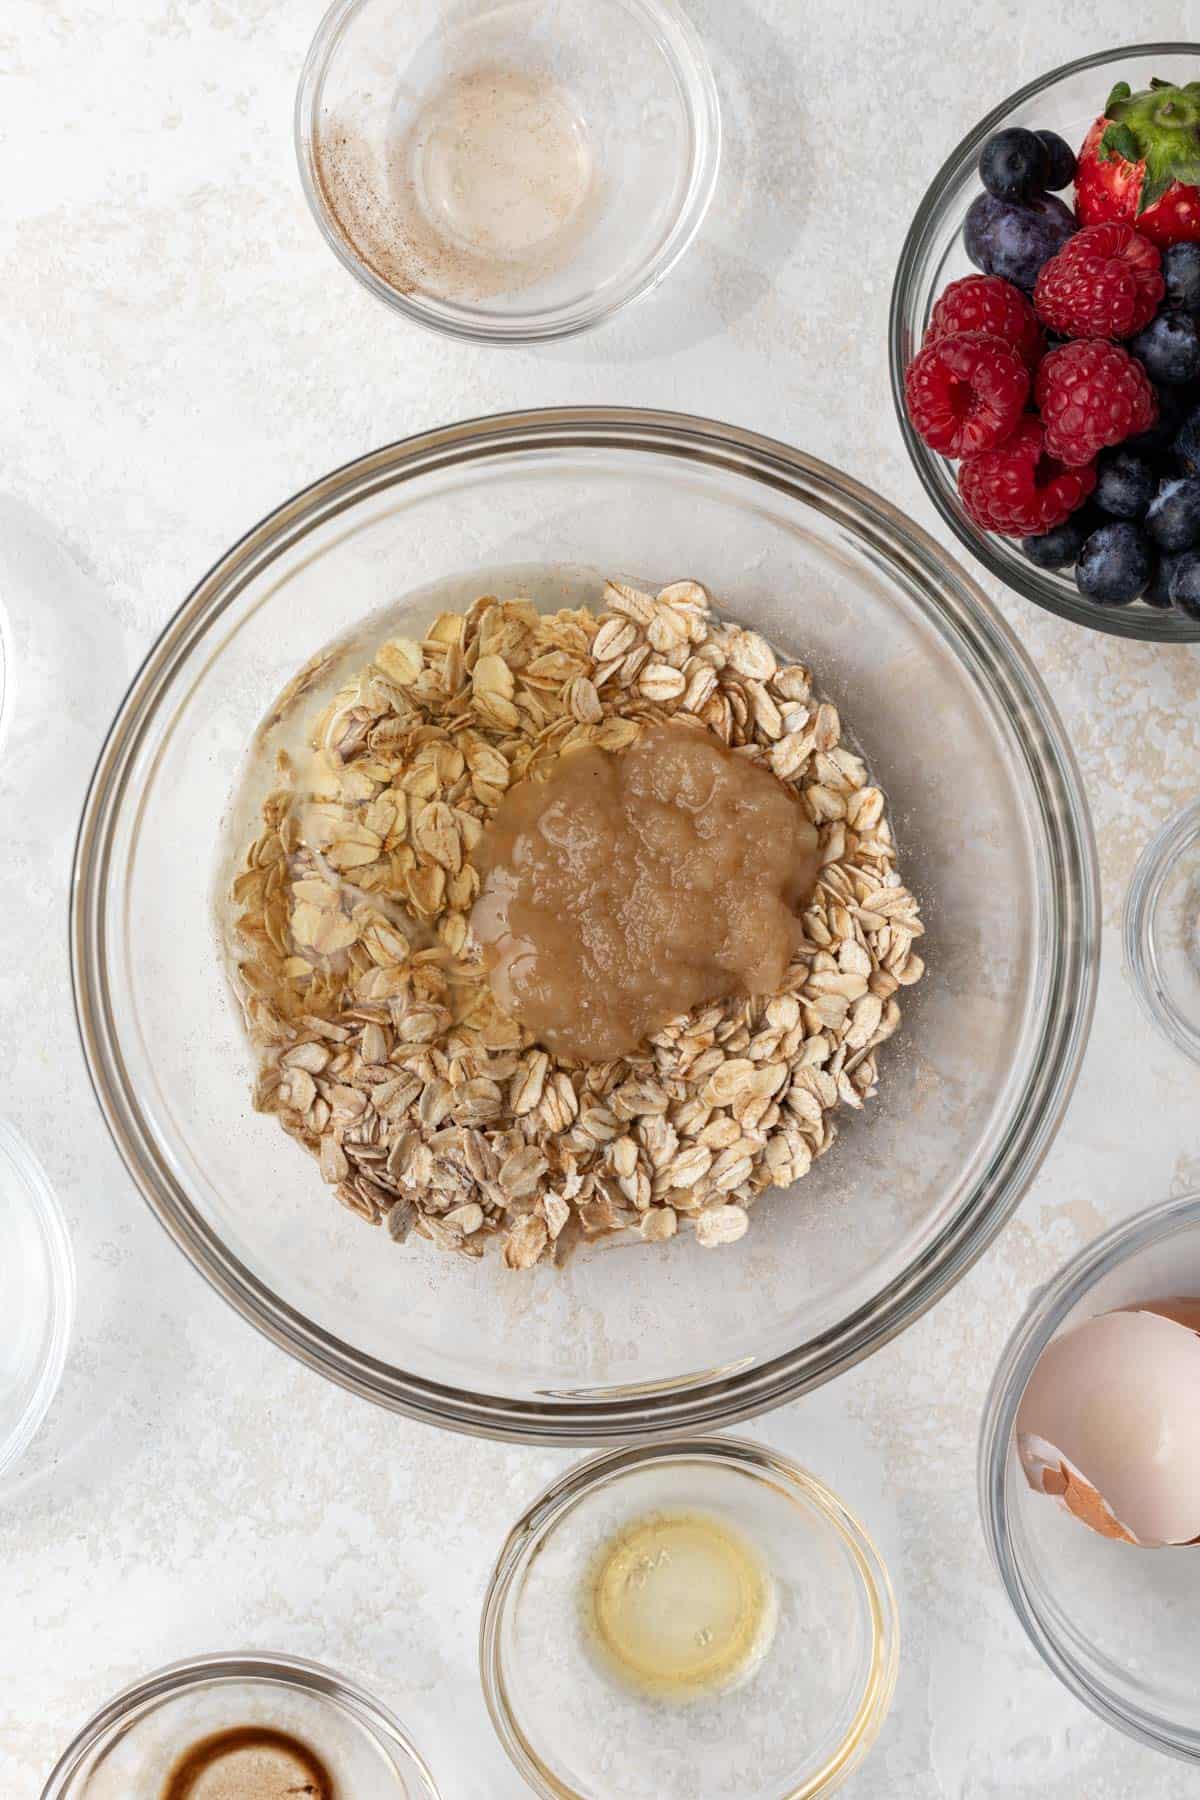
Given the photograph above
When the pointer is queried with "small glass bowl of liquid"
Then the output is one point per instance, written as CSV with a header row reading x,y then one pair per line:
x,y
1162,931
696,1617
242,1727
508,173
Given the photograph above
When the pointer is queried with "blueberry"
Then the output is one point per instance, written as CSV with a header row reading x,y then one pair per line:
x,y
1013,241
1185,585
1181,272
1173,519
1057,548
1013,164
1169,349
1060,160
1158,594
983,215
1126,483
1115,564
1187,443
1172,407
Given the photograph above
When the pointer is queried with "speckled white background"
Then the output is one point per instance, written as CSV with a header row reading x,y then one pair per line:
x,y
178,353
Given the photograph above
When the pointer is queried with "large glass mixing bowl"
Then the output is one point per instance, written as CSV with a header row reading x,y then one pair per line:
x,y
995,839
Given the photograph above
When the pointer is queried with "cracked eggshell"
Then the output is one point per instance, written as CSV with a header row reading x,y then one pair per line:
x,y
1109,1424
1048,1472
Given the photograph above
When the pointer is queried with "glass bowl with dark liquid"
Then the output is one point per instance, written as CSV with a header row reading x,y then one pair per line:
x,y
245,1726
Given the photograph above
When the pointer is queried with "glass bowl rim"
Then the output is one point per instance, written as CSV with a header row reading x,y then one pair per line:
x,y
1153,866
1047,1308
986,645
683,47
60,1257
251,1665
1147,626
559,1498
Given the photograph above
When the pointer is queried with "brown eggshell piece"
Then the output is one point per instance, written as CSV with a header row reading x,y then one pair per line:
x,y
1081,1498
1048,1471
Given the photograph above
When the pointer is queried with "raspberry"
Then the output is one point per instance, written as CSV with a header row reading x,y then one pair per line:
x,y
985,303
1090,395
1018,490
966,393
1106,282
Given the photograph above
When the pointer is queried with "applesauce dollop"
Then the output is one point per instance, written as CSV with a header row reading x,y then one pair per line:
x,y
628,888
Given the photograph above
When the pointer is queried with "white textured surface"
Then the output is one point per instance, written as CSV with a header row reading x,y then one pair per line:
x,y
179,353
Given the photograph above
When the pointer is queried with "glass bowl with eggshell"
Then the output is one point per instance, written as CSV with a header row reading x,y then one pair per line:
x,y
1114,1618
630,1339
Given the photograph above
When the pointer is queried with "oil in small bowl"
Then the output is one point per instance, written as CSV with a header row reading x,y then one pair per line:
x,y
702,1617
679,1606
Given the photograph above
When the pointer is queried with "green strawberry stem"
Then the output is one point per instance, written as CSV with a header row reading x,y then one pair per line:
x,y
1159,126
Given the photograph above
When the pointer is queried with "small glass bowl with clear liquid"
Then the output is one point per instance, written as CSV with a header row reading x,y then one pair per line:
x,y
696,1617
508,173
37,1296
1162,931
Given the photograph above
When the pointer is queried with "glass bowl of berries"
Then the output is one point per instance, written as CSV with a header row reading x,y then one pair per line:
x,y
1045,341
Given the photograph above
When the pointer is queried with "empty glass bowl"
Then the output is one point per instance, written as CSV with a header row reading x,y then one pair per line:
x,y
1117,1624
629,1339
1162,931
135,1743
1066,100
37,1295
802,1717
508,172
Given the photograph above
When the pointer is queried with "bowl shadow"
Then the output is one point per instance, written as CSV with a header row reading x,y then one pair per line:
x,y
757,211
69,665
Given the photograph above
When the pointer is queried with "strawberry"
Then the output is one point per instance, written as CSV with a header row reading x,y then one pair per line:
x,y
1140,163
